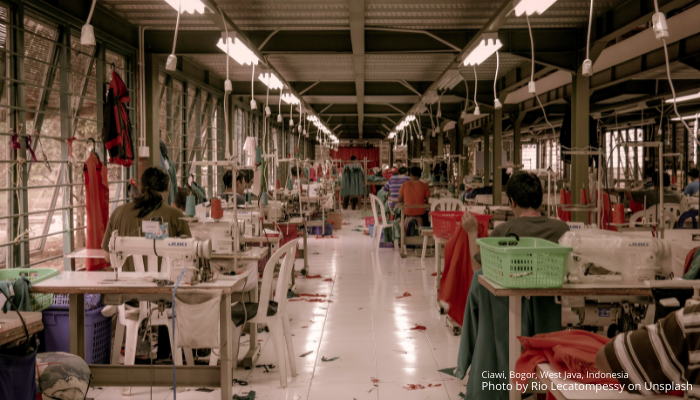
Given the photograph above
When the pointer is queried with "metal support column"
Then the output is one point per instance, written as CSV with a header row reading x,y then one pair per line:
x,y
221,144
487,157
66,84
517,144
497,162
152,111
579,119
440,142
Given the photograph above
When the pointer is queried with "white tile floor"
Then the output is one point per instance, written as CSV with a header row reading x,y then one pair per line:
x,y
366,326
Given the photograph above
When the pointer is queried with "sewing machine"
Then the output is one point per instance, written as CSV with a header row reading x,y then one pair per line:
x,y
189,254
274,211
253,220
220,233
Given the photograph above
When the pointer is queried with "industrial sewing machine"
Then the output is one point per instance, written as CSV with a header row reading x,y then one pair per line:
x,y
221,233
612,258
177,254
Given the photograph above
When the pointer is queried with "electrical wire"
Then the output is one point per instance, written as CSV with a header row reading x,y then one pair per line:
x,y
495,79
588,40
174,366
466,96
227,153
252,83
92,10
532,74
177,22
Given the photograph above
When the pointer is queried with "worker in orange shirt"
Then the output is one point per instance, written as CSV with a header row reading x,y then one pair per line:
x,y
415,192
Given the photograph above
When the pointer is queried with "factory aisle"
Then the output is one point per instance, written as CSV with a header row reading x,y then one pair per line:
x,y
368,306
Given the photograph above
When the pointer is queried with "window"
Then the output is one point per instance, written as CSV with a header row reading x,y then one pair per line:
x,y
625,164
529,156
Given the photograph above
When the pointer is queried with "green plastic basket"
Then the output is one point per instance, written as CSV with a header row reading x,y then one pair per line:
x,y
39,301
524,263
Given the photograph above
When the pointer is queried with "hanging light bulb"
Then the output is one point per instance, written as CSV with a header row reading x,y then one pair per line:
x,y
476,110
279,118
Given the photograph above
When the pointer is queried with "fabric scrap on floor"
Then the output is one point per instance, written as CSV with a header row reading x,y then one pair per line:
x,y
405,294
418,328
433,274
328,280
311,295
412,386
375,380
324,359
306,354
313,276
291,295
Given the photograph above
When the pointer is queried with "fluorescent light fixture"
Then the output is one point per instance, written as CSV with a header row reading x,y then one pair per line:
x,y
411,118
687,117
685,98
290,98
271,81
237,49
190,6
489,44
530,7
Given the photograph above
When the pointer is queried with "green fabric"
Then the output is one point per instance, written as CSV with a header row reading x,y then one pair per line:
x,y
353,183
21,299
198,193
694,270
449,371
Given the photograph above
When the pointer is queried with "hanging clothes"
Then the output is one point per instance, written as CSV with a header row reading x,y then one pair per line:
x,y
353,181
116,133
97,207
312,174
199,193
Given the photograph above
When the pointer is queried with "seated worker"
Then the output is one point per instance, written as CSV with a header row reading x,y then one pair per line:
x,y
660,354
652,195
149,205
484,342
295,173
694,185
394,184
240,186
415,192
181,199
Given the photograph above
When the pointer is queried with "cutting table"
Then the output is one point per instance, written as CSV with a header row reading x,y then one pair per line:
x,y
141,286
11,327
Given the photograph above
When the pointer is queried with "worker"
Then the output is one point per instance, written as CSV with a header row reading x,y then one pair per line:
x,y
660,354
181,199
240,186
694,185
295,174
485,327
394,184
415,192
149,205
398,164
652,195
649,175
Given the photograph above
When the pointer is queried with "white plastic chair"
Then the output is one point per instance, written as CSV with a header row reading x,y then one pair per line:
x,y
129,319
378,216
675,208
270,312
649,215
443,204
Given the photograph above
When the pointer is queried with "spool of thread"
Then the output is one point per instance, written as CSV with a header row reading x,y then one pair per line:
x,y
562,196
451,188
290,186
249,198
216,211
618,213
189,206
264,198
673,179
277,185
584,198
258,155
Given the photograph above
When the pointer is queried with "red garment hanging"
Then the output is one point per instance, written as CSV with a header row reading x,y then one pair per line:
x,y
457,278
97,206
565,200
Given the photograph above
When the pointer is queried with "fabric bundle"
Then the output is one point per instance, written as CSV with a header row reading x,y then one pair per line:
x,y
353,181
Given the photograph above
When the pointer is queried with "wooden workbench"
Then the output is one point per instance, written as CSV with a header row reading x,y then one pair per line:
x,y
11,327
76,284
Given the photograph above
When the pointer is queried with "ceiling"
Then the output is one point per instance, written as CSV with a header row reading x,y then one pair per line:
x,y
362,64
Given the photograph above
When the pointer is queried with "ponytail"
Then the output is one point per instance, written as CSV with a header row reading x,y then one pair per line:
x,y
154,180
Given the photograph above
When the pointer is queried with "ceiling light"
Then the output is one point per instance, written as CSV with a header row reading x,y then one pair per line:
x,y
489,44
290,98
450,80
685,98
271,81
687,117
237,49
530,7
190,6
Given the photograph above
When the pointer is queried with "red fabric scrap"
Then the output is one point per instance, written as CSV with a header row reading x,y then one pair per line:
x,y
313,276
412,386
406,294
418,328
375,380
328,280
310,295
433,274
572,352
304,327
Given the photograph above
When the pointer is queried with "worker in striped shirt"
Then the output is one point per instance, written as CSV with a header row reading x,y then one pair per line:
x,y
394,185
658,358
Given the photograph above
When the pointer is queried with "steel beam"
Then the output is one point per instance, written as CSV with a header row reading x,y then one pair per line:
x,y
357,36
152,111
66,83
579,138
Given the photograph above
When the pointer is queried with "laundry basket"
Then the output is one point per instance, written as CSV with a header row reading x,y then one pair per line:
x,y
524,262
39,301
445,223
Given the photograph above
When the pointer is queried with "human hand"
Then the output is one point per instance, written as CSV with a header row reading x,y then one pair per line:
x,y
469,222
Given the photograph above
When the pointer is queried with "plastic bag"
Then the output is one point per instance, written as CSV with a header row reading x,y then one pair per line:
x,y
197,319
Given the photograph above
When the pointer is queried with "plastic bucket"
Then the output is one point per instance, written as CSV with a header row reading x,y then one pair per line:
x,y
98,334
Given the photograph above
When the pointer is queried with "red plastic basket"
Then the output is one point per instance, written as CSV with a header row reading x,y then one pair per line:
x,y
445,223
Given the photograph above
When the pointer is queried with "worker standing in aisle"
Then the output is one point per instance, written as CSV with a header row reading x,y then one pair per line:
x,y
484,341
